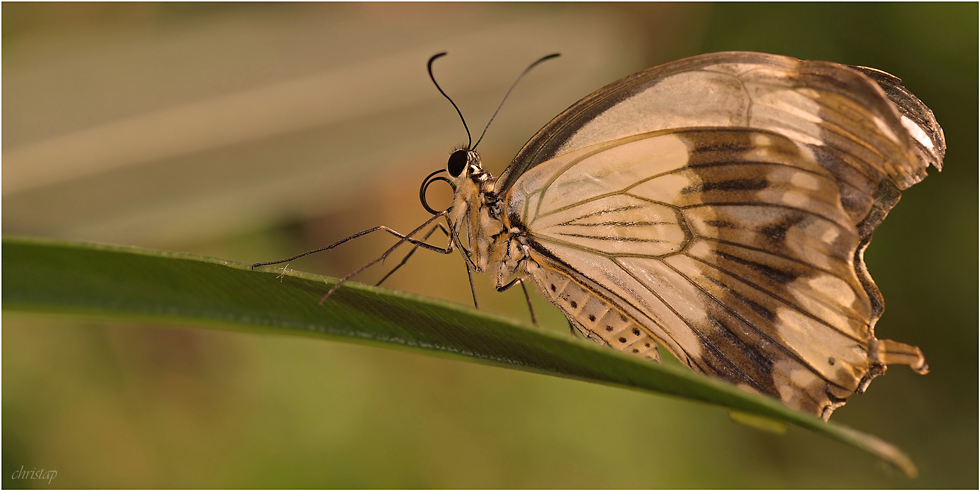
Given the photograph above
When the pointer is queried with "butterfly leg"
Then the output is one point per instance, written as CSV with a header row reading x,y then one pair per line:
x,y
404,238
469,276
527,297
415,247
404,260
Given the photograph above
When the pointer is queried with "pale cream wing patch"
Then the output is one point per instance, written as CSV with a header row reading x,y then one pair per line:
x,y
729,246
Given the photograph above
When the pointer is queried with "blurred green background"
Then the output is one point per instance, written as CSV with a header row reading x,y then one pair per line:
x,y
255,131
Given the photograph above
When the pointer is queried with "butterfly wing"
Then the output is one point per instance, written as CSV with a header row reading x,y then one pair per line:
x,y
739,249
819,103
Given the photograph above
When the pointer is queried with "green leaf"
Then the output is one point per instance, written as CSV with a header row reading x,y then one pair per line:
x,y
125,282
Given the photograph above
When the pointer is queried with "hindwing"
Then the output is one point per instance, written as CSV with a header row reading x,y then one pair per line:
x,y
737,249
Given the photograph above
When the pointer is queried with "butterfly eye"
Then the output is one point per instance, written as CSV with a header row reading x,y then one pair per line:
x,y
457,162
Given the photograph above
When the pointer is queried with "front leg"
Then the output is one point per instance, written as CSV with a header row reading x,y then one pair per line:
x,y
527,297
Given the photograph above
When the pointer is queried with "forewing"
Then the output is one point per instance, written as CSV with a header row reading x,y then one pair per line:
x,y
870,127
732,247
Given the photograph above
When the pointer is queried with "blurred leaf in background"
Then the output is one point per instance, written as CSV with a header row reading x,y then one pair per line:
x,y
256,131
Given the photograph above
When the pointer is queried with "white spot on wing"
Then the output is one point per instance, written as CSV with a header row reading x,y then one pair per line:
x,y
917,133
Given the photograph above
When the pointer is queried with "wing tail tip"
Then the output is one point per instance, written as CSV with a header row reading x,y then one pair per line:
x,y
888,352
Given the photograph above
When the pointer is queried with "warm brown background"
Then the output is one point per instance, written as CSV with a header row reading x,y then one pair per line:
x,y
256,131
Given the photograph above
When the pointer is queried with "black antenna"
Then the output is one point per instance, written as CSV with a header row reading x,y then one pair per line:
x,y
519,77
434,57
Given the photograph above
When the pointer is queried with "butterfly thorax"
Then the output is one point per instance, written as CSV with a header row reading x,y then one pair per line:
x,y
479,230
474,214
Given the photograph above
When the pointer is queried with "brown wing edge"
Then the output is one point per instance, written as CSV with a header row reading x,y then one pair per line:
x,y
911,107
883,352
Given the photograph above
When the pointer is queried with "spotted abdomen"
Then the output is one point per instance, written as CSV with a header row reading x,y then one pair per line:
x,y
593,316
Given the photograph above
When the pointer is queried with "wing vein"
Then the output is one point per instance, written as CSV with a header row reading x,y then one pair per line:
x,y
774,296
704,341
572,245
769,252
762,333
625,190
612,239
844,225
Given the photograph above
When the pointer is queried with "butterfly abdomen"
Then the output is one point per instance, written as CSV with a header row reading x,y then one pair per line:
x,y
595,317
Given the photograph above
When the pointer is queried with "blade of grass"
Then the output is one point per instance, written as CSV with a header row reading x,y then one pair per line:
x,y
125,282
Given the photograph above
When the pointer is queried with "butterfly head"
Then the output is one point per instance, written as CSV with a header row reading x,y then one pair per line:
x,y
466,176
469,181
465,164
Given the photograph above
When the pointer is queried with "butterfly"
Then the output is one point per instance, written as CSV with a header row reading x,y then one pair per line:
x,y
717,206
